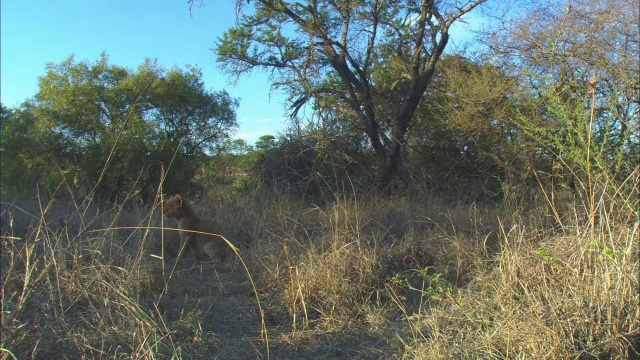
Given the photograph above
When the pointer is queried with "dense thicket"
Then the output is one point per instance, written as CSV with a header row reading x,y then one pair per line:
x,y
316,163
577,105
552,97
107,130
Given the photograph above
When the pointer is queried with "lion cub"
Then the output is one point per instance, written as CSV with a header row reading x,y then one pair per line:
x,y
206,248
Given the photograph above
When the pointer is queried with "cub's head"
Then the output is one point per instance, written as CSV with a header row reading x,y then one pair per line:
x,y
175,207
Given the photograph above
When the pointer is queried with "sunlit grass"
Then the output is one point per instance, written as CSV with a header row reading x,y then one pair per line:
x,y
414,278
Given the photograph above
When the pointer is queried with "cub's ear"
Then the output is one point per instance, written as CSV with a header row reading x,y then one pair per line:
x,y
178,198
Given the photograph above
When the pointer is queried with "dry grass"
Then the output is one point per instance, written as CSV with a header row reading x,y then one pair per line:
x,y
68,290
568,293
360,277
76,284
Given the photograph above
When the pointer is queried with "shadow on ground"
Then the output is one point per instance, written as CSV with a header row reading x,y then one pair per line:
x,y
215,310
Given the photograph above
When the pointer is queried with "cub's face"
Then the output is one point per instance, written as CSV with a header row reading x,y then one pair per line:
x,y
173,207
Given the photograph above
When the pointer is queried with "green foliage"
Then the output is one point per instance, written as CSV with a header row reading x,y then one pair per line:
x,y
432,286
30,153
265,142
548,258
189,115
229,166
112,131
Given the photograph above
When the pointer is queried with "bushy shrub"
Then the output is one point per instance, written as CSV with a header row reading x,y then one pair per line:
x,y
317,163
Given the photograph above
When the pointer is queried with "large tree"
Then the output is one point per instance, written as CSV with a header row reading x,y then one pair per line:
x,y
114,128
331,49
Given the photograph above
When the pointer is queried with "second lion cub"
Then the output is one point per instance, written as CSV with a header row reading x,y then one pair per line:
x,y
206,248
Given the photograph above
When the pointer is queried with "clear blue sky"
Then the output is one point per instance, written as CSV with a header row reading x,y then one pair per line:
x,y
35,32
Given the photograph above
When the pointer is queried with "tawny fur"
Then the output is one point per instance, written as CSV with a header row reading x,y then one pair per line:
x,y
206,248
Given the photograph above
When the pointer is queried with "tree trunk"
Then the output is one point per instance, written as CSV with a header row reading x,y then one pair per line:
x,y
395,167
394,170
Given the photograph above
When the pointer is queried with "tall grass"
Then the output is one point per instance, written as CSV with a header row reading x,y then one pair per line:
x,y
408,277
564,282
69,291
571,295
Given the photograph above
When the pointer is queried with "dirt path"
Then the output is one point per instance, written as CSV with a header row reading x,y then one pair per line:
x,y
222,321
